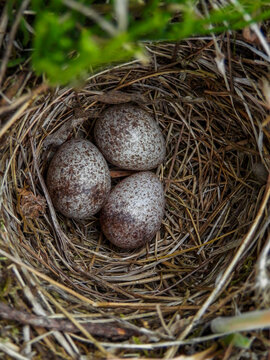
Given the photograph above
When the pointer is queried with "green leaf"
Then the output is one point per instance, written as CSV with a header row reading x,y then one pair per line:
x,y
238,340
68,45
136,340
15,62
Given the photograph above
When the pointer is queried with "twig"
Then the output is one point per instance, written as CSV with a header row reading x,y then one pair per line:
x,y
108,331
11,39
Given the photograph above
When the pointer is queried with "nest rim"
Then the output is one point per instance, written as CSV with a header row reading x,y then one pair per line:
x,y
213,146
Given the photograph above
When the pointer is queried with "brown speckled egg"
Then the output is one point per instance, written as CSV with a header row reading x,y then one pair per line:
x,y
134,210
130,138
78,179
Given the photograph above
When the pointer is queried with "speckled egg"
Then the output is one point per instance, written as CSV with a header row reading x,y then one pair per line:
x,y
130,138
78,179
134,210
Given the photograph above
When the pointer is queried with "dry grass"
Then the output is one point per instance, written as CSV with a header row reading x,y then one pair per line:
x,y
202,262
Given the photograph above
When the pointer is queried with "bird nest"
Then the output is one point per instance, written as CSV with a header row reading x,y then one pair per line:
x,y
71,292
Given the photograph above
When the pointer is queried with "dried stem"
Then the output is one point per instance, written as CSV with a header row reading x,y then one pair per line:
x,y
109,331
12,34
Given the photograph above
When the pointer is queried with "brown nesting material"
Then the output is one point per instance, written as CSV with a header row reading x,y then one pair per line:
x,y
203,261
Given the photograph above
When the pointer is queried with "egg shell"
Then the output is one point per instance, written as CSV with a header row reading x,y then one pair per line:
x,y
78,179
134,210
130,138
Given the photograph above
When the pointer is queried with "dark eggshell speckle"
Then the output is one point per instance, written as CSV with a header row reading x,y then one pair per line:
x,y
134,210
78,179
130,138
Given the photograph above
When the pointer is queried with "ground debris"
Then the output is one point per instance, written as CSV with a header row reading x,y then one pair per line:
x,y
31,205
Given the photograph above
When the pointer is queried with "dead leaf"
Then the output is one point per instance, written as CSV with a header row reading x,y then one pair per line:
x,y
250,36
13,89
118,97
31,205
179,325
61,135
120,173
260,172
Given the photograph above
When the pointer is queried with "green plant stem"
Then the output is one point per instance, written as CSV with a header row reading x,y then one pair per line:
x,y
92,14
247,321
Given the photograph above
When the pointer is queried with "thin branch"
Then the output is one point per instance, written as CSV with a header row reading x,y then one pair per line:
x,y
109,331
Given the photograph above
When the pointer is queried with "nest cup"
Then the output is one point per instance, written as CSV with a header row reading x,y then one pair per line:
x,y
214,176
